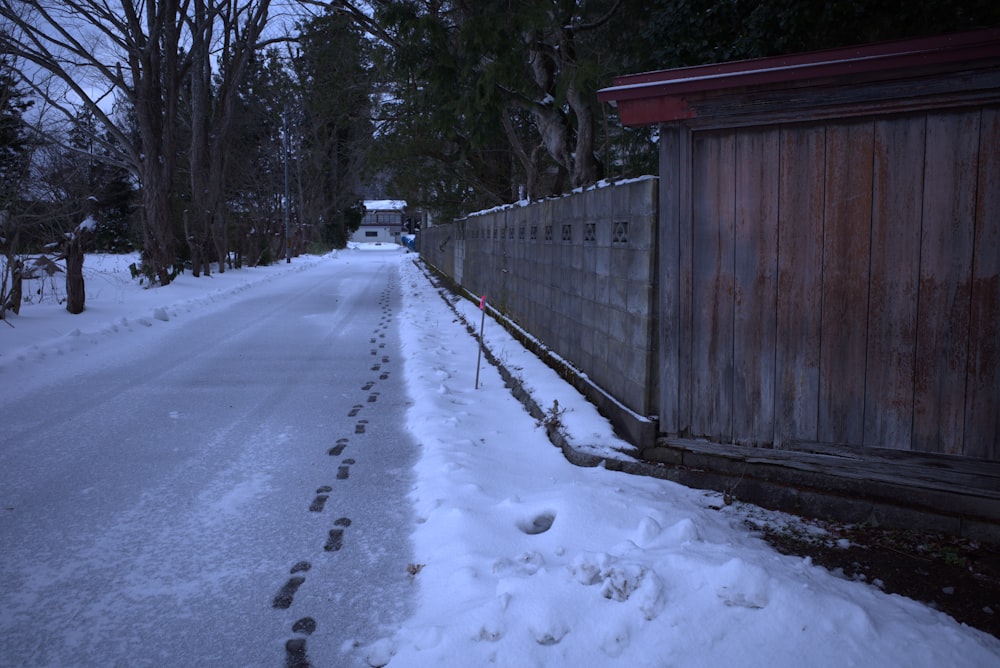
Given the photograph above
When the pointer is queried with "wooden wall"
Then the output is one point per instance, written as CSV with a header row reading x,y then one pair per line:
x,y
834,282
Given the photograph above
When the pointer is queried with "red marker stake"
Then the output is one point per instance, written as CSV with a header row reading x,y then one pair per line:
x,y
482,324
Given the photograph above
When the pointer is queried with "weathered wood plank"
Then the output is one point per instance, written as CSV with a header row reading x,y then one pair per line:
x,y
756,284
800,261
949,207
671,167
982,415
713,196
685,322
892,312
846,263
957,475
987,472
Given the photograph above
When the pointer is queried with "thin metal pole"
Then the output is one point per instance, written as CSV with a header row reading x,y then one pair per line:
x,y
482,324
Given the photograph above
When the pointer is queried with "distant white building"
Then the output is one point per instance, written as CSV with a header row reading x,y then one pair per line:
x,y
384,222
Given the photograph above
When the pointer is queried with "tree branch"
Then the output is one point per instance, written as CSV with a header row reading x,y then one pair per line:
x,y
365,22
600,21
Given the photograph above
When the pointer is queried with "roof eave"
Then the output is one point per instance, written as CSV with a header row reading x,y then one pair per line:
x,y
662,96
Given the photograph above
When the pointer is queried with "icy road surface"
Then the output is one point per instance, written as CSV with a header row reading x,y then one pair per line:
x,y
228,488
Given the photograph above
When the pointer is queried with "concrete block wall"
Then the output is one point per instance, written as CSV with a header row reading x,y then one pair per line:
x,y
576,272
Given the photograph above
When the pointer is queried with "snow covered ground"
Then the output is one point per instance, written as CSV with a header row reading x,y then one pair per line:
x,y
522,559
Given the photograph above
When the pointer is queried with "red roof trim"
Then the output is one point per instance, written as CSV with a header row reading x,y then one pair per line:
x,y
677,84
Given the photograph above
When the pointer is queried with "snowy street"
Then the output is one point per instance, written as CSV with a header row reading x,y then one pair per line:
x,y
188,494
292,466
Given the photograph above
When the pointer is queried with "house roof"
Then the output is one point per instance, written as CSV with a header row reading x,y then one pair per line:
x,y
666,95
385,204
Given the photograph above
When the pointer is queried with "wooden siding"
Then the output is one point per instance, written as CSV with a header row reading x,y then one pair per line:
x,y
800,254
835,282
756,280
713,244
982,414
847,263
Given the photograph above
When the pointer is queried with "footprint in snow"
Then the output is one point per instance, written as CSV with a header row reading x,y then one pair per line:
x,y
538,524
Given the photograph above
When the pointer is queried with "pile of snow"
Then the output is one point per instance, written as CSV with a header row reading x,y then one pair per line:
x,y
523,559
117,304
89,224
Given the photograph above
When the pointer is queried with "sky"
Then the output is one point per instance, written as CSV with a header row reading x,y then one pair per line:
x,y
521,558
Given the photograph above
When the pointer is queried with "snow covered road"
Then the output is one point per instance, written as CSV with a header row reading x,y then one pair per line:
x,y
165,459
227,488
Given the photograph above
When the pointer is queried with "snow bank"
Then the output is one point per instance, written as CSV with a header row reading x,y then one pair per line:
x,y
526,560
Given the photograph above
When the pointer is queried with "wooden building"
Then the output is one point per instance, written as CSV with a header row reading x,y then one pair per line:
x,y
829,250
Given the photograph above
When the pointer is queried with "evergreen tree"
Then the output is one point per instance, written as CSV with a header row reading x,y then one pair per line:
x,y
257,160
99,186
333,125
15,158
678,33
15,147
491,100
436,154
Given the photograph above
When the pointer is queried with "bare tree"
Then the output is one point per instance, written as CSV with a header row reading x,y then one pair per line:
x,y
226,33
94,52
140,51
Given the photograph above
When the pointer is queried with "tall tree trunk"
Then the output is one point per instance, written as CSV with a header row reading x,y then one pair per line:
x,y
527,161
155,85
586,168
195,248
14,296
158,246
199,215
212,110
220,233
553,125
75,247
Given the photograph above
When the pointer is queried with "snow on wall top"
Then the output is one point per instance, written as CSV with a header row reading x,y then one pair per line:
x,y
604,183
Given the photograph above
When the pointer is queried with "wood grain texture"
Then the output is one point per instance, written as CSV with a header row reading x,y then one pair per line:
x,y
948,230
756,285
892,315
835,283
982,415
847,213
800,282
685,179
713,168
669,322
